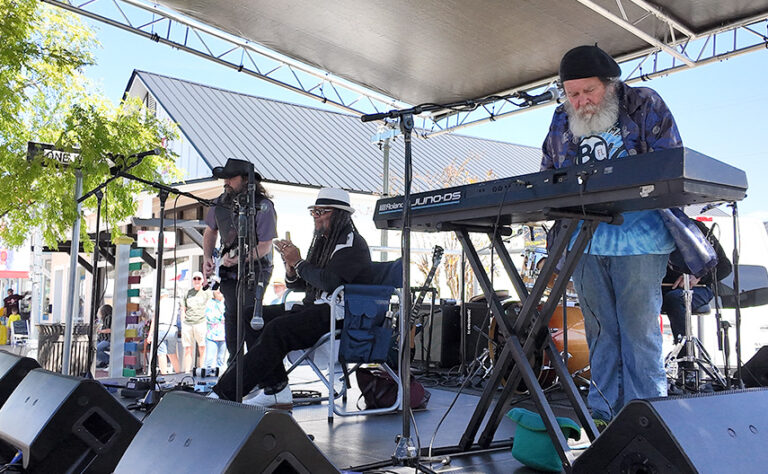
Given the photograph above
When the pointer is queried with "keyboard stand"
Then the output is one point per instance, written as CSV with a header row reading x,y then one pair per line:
x,y
529,333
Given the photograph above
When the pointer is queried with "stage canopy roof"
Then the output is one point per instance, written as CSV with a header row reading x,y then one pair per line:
x,y
441,51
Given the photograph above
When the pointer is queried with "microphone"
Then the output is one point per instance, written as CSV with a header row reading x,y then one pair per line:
x,y
257,320
154,151
116,168
553,93
262,207
710,206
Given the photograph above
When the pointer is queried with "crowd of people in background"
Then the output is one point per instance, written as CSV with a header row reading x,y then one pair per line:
x,y
194,323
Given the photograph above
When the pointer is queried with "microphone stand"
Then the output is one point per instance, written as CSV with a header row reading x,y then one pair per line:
x,y
248,277
97,191
406,453
737,289
153,395
94,287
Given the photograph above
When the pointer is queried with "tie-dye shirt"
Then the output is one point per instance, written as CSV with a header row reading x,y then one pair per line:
x,y
645,124
214,315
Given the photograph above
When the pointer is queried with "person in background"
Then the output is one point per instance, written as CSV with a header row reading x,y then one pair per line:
x,y
167,333
193,324
11,301
673,287
279,288
216,349
103,335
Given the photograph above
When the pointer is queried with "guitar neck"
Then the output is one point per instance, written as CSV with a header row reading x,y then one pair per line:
x,y
423,292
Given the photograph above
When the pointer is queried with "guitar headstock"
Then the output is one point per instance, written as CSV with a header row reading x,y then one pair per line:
x,y
437,255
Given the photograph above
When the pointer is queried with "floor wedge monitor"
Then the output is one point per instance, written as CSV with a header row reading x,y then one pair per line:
x,y
189,433
65,424
715,432
13,369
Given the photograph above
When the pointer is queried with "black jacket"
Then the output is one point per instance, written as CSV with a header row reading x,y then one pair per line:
x,y
350,263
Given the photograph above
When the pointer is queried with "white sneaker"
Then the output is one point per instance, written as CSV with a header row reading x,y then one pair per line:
x,y
253,393
282,400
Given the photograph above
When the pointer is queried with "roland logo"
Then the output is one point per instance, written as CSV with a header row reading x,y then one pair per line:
x,y
441,198
390,206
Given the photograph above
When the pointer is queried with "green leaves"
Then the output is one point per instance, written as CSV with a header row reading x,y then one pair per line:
x,y
44,97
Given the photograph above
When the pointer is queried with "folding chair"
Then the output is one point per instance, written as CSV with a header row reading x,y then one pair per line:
x,y
369,305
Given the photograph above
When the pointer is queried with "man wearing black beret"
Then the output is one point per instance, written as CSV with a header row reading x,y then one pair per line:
x,y
618,279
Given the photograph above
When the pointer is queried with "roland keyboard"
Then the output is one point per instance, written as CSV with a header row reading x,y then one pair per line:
x,y
656,180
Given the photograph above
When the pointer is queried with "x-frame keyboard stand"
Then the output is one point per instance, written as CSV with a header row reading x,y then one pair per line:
x,y
529,331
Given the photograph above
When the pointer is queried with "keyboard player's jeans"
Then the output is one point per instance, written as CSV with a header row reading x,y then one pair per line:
x,y
620,298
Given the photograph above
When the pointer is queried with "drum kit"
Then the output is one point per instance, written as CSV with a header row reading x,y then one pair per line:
x,y
566,328
569,335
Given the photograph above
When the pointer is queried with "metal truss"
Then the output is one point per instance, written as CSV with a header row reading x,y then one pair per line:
x,y
681,49
167,27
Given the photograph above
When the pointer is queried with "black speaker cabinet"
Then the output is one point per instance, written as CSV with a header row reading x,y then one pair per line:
x,y
446,335
755,371
66,424
13,369
718,433
189,433
443,346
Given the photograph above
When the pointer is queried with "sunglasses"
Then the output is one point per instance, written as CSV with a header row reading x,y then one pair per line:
x,y
197,278
319,212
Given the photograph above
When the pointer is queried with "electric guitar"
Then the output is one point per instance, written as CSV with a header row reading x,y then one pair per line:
x,y
437,255
214,280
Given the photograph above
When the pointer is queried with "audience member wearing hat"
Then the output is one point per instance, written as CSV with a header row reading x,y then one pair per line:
x,y
618,280
193,323
337,255
221,221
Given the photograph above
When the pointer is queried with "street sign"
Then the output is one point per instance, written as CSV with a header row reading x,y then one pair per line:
x,y
49,151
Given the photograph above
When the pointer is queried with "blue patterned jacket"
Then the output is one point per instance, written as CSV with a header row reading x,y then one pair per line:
x,y
646,125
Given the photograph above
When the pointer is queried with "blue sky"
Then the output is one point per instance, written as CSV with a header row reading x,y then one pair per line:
x,y
720,108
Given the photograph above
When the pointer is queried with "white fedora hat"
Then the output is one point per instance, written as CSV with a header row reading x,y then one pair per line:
x,y
333,197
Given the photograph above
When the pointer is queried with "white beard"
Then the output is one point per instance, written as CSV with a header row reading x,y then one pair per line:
x,y
592,120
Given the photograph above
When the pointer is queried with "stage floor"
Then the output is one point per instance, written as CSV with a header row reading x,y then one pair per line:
x,y
356,442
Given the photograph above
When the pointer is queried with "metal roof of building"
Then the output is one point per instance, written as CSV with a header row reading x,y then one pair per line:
x,y
295,144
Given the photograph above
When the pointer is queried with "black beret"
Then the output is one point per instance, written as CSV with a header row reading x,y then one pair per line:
x,y
234,167
587,61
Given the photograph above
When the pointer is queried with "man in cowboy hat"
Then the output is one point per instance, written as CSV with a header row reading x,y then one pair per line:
x,y
338,255
221,221
618,280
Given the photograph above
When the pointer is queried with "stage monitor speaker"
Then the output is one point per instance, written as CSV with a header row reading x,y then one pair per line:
x,y
13,369
713,432
189,433
755,371
66,424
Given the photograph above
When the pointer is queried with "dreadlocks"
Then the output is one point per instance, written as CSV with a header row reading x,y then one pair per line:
x,y
322,247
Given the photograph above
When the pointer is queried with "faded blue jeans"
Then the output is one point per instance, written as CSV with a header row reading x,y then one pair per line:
x,y
620,298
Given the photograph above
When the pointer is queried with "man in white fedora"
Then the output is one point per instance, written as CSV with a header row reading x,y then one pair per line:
x,y
338,255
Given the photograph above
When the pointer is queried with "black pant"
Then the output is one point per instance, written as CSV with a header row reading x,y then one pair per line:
x,y
228,288
283,332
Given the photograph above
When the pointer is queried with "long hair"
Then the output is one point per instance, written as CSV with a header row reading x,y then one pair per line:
x,y
322,247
